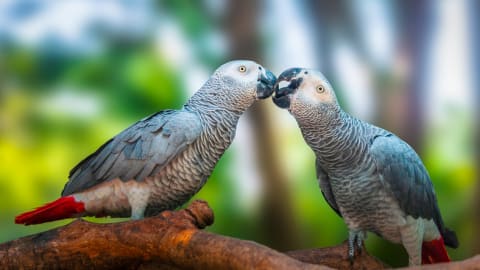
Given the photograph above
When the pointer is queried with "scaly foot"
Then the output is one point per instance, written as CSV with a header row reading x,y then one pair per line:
x,y
355,238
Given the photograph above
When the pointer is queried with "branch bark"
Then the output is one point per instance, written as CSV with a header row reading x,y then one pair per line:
x,y
337,257
171,240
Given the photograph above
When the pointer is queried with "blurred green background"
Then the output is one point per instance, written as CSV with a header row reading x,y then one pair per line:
x,y
75,73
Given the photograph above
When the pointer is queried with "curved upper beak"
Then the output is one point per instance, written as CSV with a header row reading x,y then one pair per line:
x,y
282,97
266,83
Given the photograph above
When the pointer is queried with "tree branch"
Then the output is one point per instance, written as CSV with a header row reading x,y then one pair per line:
x,y
337,257
171,240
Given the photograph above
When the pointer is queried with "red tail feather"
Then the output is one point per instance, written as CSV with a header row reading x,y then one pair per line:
x,y
434,252
64,207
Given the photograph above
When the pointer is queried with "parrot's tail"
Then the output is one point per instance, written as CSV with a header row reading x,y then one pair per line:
x,y
434,252
64,207
450,238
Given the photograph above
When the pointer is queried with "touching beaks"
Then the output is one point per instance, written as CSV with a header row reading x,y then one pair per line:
x,y
266,84
282,95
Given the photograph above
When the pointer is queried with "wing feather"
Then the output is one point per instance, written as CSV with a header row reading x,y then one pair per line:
x,y
326,188
137,152
404,173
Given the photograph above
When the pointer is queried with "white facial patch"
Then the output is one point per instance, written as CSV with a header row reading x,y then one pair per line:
x,y
241,70
309,91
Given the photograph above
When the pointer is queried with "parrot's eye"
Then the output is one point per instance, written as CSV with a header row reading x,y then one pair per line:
x,y
320,89
242,69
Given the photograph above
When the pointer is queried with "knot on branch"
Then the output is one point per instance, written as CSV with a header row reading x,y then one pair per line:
x,y
201,213
197,215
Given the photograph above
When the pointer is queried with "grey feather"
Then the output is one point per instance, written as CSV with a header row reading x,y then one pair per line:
x,y
326,188
406,176
134,153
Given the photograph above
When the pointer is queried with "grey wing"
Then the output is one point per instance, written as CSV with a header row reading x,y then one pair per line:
x,y
141,150
326,188
404,173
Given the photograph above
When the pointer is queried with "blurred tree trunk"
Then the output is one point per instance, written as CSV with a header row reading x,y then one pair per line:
x,y
406,108
474,23
333,21
276,213
327,20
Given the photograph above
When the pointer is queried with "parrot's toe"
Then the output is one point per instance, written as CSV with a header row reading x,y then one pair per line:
x,y
355,241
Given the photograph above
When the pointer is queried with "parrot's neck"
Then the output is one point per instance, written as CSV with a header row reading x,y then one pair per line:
x,y
219,123
209,111
218,130
321,122
216,97
335,138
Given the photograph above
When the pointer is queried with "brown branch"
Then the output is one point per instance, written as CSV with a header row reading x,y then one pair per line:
x,y
172,240
337,257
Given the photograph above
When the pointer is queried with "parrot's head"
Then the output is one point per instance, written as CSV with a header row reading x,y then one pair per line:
x,y
303,92
237,84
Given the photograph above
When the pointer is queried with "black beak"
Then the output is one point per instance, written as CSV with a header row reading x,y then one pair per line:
x,y
266,84
282,95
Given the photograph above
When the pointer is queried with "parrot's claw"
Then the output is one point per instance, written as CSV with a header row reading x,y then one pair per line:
x,y
351,246
361,236
355,239
351,256
138,212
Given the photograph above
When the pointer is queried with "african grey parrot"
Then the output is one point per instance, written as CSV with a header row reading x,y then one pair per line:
x,y
369,176
162,160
